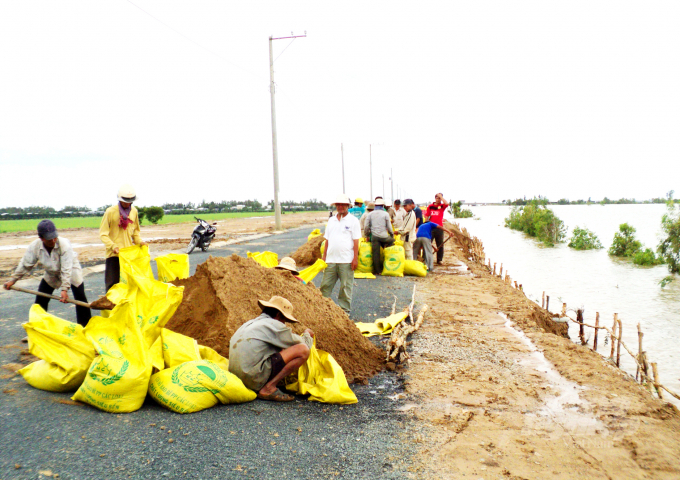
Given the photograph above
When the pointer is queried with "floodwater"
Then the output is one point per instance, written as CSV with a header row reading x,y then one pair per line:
x,y
592,279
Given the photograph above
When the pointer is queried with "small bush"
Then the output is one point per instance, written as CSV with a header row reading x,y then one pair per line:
x,y
624,243
537,220
647,257
141,214
459,212
154,214
584,239
669,248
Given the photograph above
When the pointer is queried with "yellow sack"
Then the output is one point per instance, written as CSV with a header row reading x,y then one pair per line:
x,y
315,233
397,238
415,268
393,265
65,352
118,378
266,259
322,378
312,271
172,266
211,355
178,348
382,326
399,243
322,248
365,258
157,355
358,274
195,386
135,260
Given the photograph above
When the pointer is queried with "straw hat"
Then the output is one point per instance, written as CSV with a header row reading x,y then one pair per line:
x,y
280,304
288,263
342,199
370,206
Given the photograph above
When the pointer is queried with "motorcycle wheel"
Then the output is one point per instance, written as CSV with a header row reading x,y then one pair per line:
x,y
192,244
205,247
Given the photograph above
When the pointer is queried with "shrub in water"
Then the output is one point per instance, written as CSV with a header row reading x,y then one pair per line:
x,y
624,243
537,220
646,257
459,212
669,248
584,239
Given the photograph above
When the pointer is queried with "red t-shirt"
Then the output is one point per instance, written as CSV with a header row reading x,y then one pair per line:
x,y
436,213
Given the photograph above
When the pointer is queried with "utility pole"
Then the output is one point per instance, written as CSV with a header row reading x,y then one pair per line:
x,y
275,152
342,155
383,187
370,168
392,185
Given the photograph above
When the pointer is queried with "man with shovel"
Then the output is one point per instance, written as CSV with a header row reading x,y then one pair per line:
x,y
62,269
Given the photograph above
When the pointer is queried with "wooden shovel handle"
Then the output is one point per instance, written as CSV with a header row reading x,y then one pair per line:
x,y
46,295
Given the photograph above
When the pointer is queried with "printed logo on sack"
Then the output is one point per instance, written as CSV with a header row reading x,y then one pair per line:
x,y
70,330
192,378
102,372
106,346
152,320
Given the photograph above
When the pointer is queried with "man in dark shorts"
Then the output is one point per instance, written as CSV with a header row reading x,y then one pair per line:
x,y
435,214
263,351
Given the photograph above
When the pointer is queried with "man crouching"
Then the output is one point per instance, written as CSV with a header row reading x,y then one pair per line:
x,y
265,350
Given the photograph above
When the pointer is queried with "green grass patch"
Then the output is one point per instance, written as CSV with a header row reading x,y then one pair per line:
x,y
9,226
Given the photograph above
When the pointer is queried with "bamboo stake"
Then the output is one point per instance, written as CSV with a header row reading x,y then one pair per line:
x,y
613,335
501,273
494,269
564,309
597,328
516,284
543,300
547,302
656,381
618,344
394,305
581,329
411,305
640,354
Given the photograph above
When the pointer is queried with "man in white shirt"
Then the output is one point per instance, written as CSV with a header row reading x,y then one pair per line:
x,y
397,214
408,228
341,253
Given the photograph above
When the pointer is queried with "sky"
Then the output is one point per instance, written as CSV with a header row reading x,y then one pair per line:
x,y
482,101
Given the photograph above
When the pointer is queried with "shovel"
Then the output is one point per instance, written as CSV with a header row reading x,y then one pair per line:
x,y
102,303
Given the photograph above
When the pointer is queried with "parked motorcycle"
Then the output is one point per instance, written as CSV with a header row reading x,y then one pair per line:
x,y
202,235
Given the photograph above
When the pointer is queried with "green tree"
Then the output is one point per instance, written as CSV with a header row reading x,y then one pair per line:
x,y
584,239
669,248
537,220
625,244
459,212
647,257
154,214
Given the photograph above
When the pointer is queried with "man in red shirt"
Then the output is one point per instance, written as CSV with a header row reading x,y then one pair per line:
x,y
435,214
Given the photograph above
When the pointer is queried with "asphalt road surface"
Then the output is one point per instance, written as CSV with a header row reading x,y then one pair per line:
x,y
41,436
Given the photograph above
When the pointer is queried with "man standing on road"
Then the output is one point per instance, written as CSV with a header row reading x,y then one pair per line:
x,y
341,253
358,209
378,229
397,214
424,242
263,351
370,206
419,216
62,269
408,228
435,214
119,229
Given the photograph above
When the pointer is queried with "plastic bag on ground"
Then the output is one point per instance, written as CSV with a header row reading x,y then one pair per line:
x,y
363,275
382,326
65,352
135,260
415,268
312,271
365,258
315,233
323,379
172,266
393,265
266,259
118,378
195,386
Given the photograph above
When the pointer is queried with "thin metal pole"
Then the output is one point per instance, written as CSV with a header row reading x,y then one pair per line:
x,y
342,155
392,185
383,186
370,168
277,205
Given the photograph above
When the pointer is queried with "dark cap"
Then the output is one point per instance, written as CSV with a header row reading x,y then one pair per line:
x,y
397,202
47,230
408,201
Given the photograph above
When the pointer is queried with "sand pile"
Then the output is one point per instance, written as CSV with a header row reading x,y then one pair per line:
x,y
309,253
223,295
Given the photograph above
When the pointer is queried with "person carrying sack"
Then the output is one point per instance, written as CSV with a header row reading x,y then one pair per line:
x,y
378,229
119,228
62,269
263,351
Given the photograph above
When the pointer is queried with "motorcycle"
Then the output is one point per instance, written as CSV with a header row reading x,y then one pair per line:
x,y
202,235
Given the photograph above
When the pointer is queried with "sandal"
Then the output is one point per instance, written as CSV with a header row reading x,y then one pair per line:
x,y
276,396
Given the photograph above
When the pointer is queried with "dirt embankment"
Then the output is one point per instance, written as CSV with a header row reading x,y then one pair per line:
x,y
223,295
524,402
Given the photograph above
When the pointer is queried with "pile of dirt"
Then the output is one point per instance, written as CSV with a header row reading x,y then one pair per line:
x,y
309,253
223,295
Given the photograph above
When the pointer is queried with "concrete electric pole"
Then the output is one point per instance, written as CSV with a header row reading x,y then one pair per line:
x,y
342,156
277,205
370,169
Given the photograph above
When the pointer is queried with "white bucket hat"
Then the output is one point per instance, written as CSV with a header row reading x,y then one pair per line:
x,y
342,199
126,194
288,263
380,202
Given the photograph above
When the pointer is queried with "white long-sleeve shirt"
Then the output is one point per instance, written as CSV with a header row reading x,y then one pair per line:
x,y
62,268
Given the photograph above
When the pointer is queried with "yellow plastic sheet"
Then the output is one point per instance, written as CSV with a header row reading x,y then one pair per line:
x,y
266,259
365,258
358,274
65,352
323,379
393,265
135,260
415,268
315,233
312,271
197,385
172,266
382,326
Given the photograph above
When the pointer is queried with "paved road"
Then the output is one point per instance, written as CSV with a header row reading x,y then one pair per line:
x,y
300,439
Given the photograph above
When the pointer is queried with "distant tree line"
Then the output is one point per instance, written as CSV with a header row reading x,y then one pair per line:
x,y
519,202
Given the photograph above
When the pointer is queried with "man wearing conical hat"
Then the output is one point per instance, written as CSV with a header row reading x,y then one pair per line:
x,y
263,351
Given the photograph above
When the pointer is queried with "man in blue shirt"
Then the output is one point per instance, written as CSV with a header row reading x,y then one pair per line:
x,y
424,241
419,216
358,209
